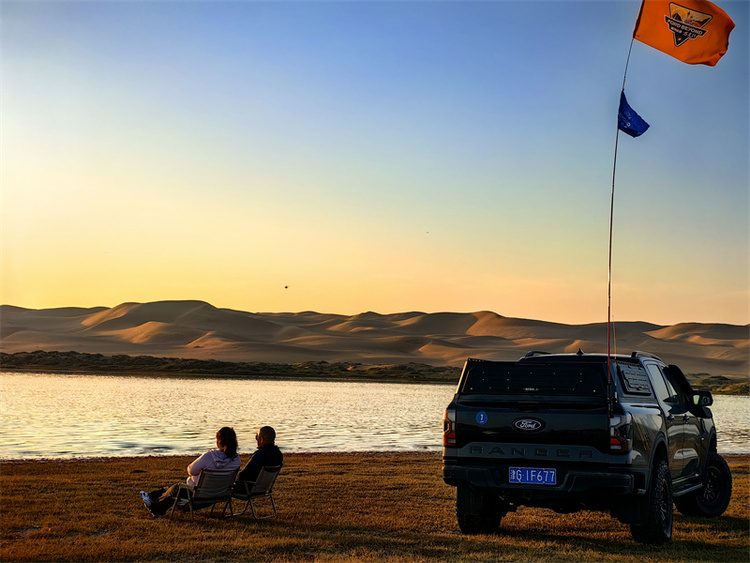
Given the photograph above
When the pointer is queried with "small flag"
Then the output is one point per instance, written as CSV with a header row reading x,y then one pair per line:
x,y
693,31
628,121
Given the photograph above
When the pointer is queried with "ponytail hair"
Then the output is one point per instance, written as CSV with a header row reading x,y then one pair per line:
x,y
226,438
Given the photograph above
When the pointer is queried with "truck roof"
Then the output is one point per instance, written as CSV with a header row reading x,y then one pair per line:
x,y
580,356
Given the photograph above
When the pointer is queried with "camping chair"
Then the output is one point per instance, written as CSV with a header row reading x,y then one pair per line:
x,y
262,487
213,487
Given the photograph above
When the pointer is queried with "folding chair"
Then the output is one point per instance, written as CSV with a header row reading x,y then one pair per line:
x,y
262,487
213,487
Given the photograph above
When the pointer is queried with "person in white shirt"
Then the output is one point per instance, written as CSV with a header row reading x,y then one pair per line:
x,y
224,457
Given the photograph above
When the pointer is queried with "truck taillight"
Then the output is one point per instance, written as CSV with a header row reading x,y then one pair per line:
x,y
449,427
621,433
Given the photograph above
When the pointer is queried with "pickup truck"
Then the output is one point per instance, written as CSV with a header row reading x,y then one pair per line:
x,y
624,434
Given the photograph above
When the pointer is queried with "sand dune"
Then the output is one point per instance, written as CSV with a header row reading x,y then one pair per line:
x,y
195,329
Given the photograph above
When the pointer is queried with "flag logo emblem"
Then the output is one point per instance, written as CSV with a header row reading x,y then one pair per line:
x,y
685,23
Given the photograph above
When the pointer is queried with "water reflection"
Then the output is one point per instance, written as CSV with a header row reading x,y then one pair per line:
x,y
85,416
64,416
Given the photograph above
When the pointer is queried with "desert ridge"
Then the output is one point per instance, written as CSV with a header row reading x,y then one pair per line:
x,y
195,329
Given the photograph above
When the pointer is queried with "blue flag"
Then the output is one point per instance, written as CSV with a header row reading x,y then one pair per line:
x,y
628,121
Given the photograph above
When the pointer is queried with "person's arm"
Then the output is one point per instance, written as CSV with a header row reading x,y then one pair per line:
x,y
251,470
202,462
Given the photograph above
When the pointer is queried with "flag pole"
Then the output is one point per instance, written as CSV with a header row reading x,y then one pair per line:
x,y
707,53
611,222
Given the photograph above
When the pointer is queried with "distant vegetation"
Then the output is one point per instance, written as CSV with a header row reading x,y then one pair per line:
x,y
719,384
150,365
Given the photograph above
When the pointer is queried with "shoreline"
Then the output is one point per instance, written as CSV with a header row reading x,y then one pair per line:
x,y
134,458
155,366
741,392
733,457
187,375
77,363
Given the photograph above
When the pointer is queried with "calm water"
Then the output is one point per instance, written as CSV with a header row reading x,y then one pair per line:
x,y
66,416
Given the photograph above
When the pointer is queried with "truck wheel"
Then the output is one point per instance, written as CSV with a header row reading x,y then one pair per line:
x,y
713,499
657,528
477,512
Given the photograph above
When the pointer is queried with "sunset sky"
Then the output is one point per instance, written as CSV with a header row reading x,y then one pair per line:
x,y
390,156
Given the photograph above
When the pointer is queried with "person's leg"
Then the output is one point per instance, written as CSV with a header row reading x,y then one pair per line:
x,y
154,495
164,502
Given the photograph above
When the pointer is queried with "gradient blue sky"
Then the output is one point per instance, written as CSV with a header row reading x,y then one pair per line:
x,y
386,156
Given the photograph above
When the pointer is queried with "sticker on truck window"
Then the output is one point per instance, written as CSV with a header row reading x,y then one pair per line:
x,y
482,417
532,475
635,379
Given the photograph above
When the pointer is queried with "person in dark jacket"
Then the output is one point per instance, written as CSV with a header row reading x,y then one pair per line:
x,y
267,454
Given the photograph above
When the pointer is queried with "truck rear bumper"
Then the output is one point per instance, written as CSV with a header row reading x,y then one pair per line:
x,y
584,483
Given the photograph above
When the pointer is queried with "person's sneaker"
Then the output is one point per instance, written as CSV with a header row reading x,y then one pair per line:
x,y
146,499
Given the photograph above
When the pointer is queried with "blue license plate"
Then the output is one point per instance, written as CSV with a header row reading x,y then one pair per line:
x,y
532,476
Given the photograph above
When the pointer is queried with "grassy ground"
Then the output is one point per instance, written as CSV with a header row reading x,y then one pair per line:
x,y
332,507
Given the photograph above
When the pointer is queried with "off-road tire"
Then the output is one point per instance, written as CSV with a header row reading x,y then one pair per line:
x,y
484,518
713,499
657,529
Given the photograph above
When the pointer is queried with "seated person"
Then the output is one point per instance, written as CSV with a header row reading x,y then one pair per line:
x,y
267,454
224,458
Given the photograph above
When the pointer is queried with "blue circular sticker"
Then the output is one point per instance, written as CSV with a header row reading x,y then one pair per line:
x,y
482,417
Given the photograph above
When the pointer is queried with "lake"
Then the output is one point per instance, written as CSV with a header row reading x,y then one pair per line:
x,y
79,416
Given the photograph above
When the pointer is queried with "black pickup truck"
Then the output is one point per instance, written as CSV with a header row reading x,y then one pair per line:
x,y
625,434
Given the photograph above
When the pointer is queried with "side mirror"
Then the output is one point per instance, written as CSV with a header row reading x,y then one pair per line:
x,y
703,399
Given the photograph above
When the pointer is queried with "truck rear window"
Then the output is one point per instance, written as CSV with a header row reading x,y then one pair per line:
x,y
560,380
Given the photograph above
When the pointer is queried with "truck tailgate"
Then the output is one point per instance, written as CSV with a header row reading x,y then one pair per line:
x,y
523,422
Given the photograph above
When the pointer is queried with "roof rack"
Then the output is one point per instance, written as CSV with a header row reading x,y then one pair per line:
x,y
536,353
638,354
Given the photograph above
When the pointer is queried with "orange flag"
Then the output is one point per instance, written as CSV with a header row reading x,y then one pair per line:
x,y
693,31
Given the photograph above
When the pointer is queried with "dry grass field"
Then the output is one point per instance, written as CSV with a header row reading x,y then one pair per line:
x,y
332,507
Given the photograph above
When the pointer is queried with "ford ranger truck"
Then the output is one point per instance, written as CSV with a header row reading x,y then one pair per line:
x,y
569,432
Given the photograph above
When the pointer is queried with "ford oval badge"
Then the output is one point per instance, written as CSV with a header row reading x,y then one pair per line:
x,y
528,424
